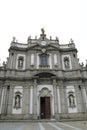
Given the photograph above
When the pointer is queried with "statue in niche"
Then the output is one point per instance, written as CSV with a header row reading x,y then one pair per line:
x,y
66,62
17,101
71,101
20,62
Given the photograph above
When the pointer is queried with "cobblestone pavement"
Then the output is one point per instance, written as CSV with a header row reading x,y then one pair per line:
x,y
77,125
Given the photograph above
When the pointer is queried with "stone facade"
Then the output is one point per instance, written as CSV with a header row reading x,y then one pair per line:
x,y
43,80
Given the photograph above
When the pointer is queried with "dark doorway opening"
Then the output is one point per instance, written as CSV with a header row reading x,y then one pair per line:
x,y
45,107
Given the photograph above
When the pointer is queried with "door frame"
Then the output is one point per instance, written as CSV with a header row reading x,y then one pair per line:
x,y
41,94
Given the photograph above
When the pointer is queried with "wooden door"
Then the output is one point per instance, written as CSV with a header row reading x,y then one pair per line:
x,y
45,107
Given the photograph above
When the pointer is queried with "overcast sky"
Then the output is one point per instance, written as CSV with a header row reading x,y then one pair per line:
x,y
63,18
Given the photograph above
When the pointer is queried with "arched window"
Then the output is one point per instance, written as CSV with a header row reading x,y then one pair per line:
x,y
66,62
20,62
71,100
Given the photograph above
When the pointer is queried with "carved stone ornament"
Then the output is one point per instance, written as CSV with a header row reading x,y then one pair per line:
x,y
43,50
45,92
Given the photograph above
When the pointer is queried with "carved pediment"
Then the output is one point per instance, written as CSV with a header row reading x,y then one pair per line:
x,y
48,47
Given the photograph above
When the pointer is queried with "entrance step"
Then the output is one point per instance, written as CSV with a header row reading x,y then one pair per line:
x,y
16,120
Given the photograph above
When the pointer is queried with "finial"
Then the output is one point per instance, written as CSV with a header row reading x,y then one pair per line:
x,y
17,41
29,39
14,38
50,37
36,37
57,39
82,64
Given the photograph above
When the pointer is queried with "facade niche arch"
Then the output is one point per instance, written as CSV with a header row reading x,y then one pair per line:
x,y
20,62
17,100
71,99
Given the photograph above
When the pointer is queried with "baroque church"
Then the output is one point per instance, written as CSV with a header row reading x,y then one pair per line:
x,y
43,79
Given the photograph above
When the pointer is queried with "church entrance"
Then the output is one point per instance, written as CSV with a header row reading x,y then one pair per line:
x,y
45,109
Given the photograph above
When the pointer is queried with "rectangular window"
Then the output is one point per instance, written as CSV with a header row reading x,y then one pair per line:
x,y
44,59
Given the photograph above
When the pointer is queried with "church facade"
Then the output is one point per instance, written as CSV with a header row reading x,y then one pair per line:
x,y
43,79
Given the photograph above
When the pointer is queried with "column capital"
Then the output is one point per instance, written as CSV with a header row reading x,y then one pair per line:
x,y
31,86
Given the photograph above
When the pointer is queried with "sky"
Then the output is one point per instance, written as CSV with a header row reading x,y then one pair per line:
x,y
65,19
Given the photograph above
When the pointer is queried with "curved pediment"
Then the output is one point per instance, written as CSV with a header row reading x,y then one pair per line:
x,y
47,47
45,75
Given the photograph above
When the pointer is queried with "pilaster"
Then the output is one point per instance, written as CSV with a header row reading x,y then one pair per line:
x,y
26,100
31,100
10,100
59,102
55,96
84,98
4,103
1,97
62,97
35,98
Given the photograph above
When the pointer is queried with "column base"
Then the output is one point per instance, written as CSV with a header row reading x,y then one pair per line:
x,y
35,117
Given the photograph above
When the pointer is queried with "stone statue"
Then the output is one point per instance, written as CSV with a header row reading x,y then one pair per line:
x,y
20,63
66,62
57,39
29,39
42,29
71,101
71,41
17,101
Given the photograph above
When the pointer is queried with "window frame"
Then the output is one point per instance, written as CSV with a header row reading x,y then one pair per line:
x,y
44,60
19,56
20,59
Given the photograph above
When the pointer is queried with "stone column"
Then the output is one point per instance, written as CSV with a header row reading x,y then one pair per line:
x,y
4,100
35,98
55,96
